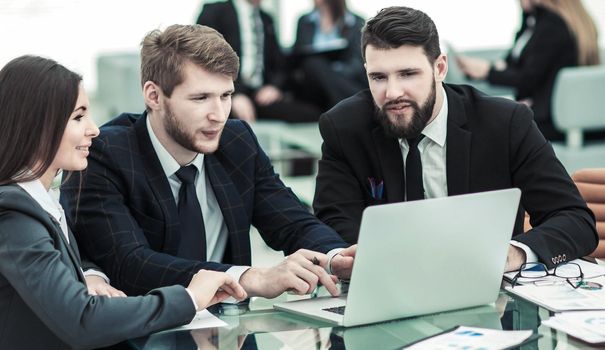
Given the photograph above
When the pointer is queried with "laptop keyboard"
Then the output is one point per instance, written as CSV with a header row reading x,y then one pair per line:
x,y
337,310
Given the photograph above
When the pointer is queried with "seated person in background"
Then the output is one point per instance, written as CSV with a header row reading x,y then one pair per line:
x,y
260,88
175,190
412,137
554,34
327,50
46,128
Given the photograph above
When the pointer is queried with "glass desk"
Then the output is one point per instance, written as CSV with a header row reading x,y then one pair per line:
x,y
260,327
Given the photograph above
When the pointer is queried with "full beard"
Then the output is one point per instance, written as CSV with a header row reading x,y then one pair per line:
x,y
420,117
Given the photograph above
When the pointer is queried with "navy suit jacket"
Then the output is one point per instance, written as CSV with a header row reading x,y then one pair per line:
x,y
492,144
126,220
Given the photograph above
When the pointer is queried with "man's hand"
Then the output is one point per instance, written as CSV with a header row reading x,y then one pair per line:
x,y
97,286
514,259
267,95
211,287
299,272
342,263
243,108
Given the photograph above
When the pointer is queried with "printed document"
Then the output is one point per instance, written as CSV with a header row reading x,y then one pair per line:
x,y
588,326
474,338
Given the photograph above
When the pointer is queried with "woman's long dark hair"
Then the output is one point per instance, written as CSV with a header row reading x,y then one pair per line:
x,y
37,96
337,8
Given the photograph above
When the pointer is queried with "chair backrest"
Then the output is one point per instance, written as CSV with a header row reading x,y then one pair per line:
x,y
591,183
577,101
119,84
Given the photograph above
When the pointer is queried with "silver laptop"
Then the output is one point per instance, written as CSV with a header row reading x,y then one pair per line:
x,y
422,257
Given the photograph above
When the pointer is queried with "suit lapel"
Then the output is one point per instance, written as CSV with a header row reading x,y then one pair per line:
x,y
231,17
230,202
391,164
74,255
159,185
458,146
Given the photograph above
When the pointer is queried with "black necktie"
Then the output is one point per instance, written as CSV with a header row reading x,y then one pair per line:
x,y
193,233
414,189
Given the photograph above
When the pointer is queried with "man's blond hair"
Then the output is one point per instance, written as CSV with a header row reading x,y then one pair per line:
x,y
165,53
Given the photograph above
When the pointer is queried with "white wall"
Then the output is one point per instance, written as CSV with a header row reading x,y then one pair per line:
x,y
74,32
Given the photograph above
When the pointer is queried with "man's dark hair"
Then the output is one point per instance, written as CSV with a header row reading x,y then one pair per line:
x,y
395,26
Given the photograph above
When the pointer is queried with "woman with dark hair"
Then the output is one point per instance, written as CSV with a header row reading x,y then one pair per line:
x,y
328,43
554,34
45,127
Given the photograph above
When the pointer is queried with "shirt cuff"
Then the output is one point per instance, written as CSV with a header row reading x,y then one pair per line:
x,y
192,298
331,254
530,256
92,272
236,273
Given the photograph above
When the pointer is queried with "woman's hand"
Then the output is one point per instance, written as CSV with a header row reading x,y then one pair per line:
x,y
97,286
211,287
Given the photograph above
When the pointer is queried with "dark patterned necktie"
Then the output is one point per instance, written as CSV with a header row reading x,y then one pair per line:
x,y
193,233
414,188
256,78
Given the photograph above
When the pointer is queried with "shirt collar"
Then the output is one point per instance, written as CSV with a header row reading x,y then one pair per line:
x,y
243,6
169,164
437,129
43,197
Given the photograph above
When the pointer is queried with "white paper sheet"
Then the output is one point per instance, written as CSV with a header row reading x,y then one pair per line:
x,y
473,338
562,297
202,319
586,325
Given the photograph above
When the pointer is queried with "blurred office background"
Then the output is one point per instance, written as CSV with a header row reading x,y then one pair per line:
x,y
76,32
100,39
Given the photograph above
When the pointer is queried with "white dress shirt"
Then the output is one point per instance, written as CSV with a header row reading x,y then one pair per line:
x,y
214,223
433,155
52,206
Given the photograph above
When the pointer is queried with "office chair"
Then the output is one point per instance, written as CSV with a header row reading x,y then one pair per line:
x,y
577,102
577,108
591,184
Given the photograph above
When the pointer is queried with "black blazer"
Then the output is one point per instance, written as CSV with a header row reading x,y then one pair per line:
x,y
492,144
44,303
126,220
551,47
223,17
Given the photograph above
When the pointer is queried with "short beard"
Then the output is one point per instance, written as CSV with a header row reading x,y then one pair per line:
x,y
420,118
177,132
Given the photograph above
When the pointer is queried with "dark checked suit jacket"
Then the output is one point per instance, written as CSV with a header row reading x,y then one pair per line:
x,y
492,144
126,220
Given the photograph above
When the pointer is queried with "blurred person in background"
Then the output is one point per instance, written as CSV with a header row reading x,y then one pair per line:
x,y
327,49
261,86
554,34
